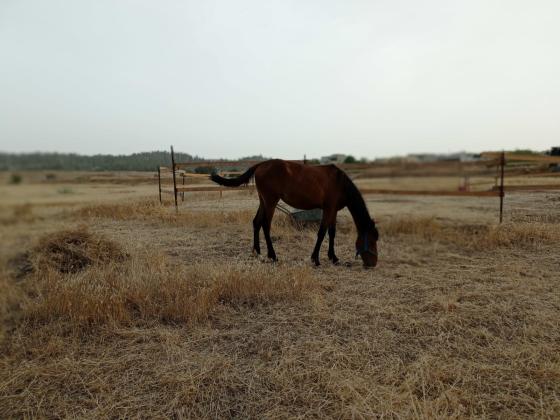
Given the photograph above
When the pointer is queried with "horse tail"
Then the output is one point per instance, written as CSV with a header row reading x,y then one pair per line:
x,y
235,182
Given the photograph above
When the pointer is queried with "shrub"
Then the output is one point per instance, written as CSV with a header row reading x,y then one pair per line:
x,y
15,179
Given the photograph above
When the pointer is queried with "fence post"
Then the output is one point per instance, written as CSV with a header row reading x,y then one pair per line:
x,y
159,183
174,180
502,192
183,192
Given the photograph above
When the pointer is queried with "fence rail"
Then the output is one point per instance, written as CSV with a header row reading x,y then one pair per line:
x,y
212,188
541,187
523,157
497,159
433,193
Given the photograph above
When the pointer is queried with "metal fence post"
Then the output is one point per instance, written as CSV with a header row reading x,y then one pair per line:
x,y
502,192
174,180
159,182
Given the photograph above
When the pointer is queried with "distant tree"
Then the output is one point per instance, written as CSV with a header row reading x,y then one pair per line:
x,y
205,170
363,160
525,152
146,161
15,179
255,157
350,159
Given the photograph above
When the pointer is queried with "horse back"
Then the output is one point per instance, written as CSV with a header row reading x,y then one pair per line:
x,y
301,186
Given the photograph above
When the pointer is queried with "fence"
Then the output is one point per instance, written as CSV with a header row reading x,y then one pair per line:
x,y
177,170
492,159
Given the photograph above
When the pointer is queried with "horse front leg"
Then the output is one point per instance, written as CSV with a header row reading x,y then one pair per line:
x,y
320,237
331,254
329,219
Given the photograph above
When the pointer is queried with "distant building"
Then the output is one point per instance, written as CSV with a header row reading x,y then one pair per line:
x,y
422,157
468,157
432,157
334,158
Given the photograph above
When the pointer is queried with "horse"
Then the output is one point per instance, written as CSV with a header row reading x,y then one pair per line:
x,y
308,187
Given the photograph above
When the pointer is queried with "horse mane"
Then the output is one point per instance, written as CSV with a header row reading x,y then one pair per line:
x,y
356,204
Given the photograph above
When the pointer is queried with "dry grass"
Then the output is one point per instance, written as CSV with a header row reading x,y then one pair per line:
x,y
480,237
147,289
22,213
148,209
458,320
87,279
60,308
10,300
154,212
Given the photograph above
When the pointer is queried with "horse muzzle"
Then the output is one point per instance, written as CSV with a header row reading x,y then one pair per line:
x,y
369,257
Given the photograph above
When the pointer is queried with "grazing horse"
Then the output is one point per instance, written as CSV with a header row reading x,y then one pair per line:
x,y
308,187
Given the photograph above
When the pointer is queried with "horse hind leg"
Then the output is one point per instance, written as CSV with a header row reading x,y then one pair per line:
x,y
267,221
257,224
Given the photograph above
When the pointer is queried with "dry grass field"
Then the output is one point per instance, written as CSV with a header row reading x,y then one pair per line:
x,y
112,305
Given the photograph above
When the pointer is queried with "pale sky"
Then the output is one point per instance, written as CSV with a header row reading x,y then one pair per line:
x,y
279,78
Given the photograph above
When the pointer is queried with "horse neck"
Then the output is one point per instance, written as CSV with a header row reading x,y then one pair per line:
x,y
358,209
360,215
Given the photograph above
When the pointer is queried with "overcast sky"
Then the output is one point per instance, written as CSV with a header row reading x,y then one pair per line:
x,y
282,78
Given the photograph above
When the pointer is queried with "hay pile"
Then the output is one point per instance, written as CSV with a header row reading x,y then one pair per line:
x,y
72,251
68,251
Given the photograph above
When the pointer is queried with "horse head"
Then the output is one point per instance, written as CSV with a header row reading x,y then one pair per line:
x,y
366,246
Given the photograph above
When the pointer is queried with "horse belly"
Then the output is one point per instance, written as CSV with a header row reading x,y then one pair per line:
x,y
297,185
304,200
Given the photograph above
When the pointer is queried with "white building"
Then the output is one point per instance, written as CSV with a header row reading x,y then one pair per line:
x,y
334,158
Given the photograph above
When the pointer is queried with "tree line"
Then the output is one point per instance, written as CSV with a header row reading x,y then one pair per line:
x,y
145,161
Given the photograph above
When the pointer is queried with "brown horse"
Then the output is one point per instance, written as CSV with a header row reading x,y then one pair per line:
x,y
308,187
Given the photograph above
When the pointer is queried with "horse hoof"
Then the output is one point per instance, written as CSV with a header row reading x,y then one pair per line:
x,y
334,260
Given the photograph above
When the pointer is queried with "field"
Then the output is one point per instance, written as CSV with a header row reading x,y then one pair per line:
x,y
112,305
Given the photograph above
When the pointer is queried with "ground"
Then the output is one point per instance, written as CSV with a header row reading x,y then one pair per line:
x,y
165,314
